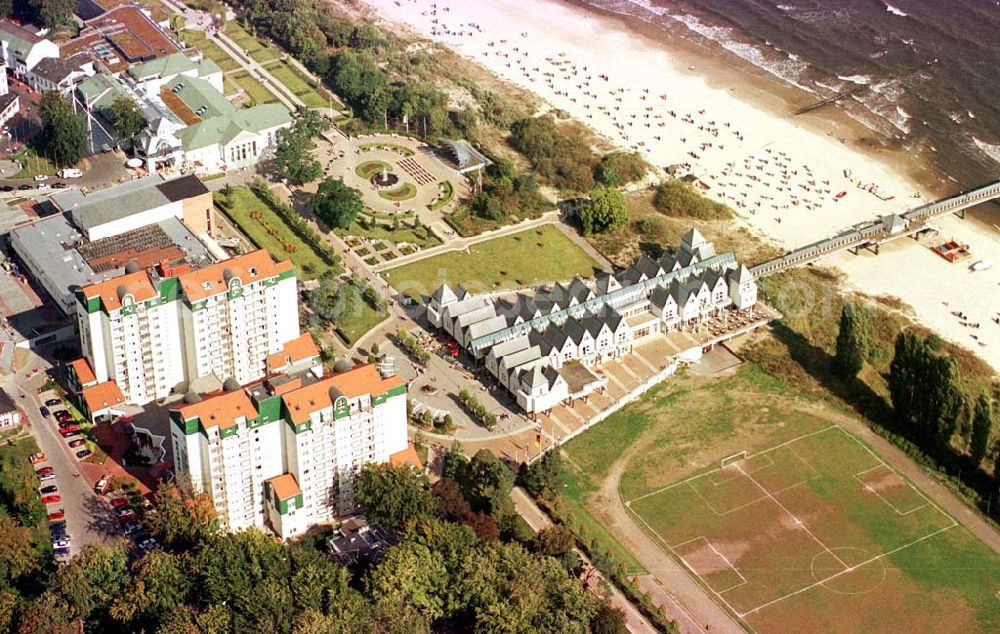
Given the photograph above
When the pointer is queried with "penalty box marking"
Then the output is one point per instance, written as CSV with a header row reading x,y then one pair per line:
x,y
743,580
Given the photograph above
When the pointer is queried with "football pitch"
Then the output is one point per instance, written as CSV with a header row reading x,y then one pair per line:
x,y
816,516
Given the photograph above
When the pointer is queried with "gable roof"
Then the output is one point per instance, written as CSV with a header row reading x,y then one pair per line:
x,y
173,64
221,129
299,349
102,396
111,292
285,486
84,373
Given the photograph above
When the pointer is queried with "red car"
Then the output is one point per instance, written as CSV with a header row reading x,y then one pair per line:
x,y
45,471
51,499
77,442
118,502
127,516
36,458
56,516
70,428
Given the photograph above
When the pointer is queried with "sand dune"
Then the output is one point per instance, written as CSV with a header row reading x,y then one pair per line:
x,y
790,184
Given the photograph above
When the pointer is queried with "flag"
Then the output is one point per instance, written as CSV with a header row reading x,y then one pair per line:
x,y
406,119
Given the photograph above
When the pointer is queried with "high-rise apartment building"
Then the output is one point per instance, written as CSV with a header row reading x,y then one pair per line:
x,y
153,331
284,453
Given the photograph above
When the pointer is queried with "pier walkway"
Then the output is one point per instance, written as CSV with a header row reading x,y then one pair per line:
x,y
882,230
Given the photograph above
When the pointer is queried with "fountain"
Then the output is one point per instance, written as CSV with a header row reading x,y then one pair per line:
x,y
384,179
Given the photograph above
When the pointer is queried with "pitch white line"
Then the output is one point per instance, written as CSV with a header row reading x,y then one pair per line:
x,y
717,469
842,572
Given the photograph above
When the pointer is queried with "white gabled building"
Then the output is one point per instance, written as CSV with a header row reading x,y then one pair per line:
x,y
529,342
284,453
22,49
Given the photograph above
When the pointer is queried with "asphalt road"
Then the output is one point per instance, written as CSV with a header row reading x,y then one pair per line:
x,y
87,521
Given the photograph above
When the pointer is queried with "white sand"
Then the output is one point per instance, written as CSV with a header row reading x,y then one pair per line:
x,y
783,179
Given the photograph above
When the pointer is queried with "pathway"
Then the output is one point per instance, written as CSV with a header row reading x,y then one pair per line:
x,y
459,244
278,89
538,520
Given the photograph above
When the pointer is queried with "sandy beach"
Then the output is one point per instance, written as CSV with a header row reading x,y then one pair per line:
x,y
789,183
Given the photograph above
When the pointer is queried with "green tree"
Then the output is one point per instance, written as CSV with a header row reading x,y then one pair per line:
x,y
64,136
334,300
486,483
18,555
608,620
924,389
511,590
982,427
293,159
336,204
94,580
126,117
159,585
679,199
553,541
6,8
620,168
853,340
542,478
183,517
414,574
52,13
605,210
393,495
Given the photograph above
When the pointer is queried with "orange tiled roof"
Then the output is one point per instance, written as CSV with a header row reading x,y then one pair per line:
x,y
299,349
363,379
102,396
220,411
212,280
84,373
137,284
406,457
285,486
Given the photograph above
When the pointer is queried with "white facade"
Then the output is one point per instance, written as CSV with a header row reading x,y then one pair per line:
x,y
287,459
152,330
22,49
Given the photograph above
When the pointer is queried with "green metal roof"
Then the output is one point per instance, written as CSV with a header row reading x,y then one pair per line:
x,y
222,129
164,67
197,94
208,67
101,89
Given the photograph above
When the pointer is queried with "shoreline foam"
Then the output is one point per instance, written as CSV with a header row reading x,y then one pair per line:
x,y
781,175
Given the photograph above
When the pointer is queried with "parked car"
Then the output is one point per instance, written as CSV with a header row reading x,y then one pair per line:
x,y
46,490
44,470
70,172
35,458
61,552
102,484
76,443
117,503
52,402
61,543
83,453
148,544
131,527
46,476
24,188
65,423
59,185
68,428
41,177
56,516
44,411
62,413
57,529
7,188
51,499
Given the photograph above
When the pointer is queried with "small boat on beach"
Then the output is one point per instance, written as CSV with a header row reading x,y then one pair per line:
x,y
982,265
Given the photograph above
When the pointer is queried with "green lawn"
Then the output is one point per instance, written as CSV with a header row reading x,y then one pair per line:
x,y
354,326
369,168
530,257
255,91
684,426
422,238
229,87
297,83
258,51
244,201
405,192
447,192
32,164
210,49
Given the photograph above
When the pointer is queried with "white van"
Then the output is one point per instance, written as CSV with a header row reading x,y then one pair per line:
x,y
70,172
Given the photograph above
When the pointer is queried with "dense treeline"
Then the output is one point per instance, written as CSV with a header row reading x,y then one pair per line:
x,y
350,57
464,563
676,198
